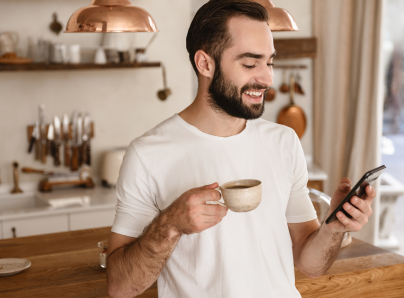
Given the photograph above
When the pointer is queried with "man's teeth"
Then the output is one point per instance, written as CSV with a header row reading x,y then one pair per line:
x,y
253,93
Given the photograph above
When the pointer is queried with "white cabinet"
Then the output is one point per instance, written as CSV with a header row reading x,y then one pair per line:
x,y
92,219
35,226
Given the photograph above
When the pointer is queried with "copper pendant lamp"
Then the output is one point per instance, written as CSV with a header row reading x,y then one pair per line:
x,y
279,19
104,16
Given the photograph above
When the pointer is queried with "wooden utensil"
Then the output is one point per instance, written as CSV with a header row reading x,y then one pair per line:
x,y
16,188
55,26
298,87
31,170
292,115
271,93
164,93
284,88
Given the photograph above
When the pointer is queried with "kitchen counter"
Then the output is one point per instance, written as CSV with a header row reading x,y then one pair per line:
x,y
67,264
70,200
59,201
34,213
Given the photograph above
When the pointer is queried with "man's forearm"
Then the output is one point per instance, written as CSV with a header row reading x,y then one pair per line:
x,y
319,252
134,267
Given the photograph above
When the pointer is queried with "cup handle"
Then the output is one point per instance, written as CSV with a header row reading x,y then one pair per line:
x,y
217,202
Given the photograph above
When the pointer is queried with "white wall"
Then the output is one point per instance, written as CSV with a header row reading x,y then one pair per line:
x,y
123,103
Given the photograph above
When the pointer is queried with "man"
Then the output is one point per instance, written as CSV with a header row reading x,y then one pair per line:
x,y
165,229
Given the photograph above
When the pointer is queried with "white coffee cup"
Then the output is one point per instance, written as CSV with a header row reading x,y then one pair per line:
x,y
240,195
100,56
74,54
58,53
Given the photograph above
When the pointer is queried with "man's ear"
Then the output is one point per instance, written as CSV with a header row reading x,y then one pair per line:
x,y
205,64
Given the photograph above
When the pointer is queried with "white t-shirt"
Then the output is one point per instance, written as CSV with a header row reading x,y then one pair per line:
x,y
247,254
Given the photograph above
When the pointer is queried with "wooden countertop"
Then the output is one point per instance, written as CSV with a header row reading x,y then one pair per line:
x,y
67,264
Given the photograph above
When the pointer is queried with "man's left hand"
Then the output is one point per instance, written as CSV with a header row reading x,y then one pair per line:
x,y
360,214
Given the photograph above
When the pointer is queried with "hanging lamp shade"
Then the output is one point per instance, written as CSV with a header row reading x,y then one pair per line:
x,y
279,19
110,16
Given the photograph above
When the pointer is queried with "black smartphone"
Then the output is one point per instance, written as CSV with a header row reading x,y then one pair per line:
x,y
358,190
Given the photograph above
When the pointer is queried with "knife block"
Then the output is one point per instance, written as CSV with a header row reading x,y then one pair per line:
x,y
46,186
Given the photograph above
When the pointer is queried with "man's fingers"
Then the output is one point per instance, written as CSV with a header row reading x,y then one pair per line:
x,y
200,196
210,186
362,205
213,219
345,185
213,210
349,224
356,214
370,192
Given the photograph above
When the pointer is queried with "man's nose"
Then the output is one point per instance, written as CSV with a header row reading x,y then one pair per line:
x,y
266,76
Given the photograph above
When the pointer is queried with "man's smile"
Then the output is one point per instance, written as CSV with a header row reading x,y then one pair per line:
x,y
254,95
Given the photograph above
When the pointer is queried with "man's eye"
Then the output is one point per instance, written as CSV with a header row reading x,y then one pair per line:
x,y
249,66
270,64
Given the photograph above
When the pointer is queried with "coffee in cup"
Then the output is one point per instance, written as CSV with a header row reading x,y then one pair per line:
x,y
240,195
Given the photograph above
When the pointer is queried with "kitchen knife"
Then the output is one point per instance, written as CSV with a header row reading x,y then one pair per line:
x,y
65,127
57,128
50,141
74,160
79,141
42,130
86,139
34,137
37,142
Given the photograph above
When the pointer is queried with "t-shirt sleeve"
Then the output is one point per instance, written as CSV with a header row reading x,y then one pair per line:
x,y
300,208
136,207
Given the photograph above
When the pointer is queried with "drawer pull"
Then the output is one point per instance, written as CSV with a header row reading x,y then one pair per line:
x,y
14,232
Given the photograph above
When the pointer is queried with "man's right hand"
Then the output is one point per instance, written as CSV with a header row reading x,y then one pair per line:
x,y
143,258
190,213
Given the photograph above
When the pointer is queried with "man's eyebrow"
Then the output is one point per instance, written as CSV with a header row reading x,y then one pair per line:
x,y
252,55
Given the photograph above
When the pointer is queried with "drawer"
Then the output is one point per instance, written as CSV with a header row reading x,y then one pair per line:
x,y
35,226
92,219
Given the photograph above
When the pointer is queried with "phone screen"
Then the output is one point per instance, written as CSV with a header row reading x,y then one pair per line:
x,y
358,190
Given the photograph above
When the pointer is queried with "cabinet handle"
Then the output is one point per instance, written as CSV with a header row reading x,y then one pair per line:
x,y
14,232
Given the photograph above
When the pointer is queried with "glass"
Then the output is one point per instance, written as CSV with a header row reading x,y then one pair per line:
x,y
102,249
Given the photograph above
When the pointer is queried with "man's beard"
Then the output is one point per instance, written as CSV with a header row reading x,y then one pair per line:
x,y
226,97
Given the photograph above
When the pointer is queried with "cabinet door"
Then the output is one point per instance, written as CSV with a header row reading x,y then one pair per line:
x,y
92,219
35,226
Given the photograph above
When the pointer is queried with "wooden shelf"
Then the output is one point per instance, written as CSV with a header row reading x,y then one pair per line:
x,y
44,66
288,48
292,48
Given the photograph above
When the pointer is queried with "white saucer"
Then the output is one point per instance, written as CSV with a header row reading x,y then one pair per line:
x,y
13,266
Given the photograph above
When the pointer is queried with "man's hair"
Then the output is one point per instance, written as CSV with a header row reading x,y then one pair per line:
x,y
209,31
